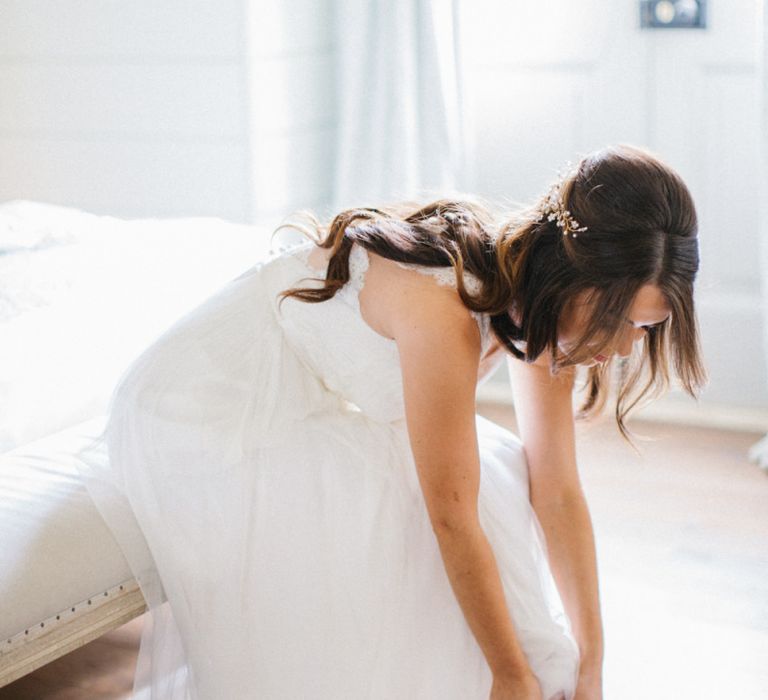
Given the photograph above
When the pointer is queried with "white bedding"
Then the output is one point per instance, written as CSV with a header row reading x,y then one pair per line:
x,y
81,295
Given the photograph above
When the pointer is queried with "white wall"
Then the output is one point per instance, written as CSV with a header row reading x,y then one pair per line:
x,y
171,108
124,108
292,122
552,80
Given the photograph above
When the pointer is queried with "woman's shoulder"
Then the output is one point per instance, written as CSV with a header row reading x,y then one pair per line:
x,y
415,303
399,298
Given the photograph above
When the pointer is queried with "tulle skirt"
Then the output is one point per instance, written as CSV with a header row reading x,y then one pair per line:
x,y
280,537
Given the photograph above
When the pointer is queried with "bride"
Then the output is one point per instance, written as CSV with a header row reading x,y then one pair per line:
x,y
310,503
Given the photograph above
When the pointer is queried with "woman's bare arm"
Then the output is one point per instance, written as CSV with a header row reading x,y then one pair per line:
x,y
544,412
439,346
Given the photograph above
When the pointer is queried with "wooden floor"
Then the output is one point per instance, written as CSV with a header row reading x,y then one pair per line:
x,y
682,540
101,670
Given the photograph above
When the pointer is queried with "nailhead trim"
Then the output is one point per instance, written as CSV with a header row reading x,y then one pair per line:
x,y
60,618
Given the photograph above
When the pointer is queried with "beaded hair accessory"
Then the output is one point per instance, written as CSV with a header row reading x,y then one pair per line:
x,y
455,218
554,209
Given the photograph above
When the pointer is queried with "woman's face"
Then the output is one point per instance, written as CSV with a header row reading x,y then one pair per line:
x,y
648,308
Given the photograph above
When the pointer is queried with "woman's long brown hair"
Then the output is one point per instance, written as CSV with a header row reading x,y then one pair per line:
x,y
641,229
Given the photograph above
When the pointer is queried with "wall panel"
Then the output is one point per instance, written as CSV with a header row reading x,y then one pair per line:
x,y
127,178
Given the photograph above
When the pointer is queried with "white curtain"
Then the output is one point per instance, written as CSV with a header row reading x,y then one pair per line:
x,y
400,127
759,452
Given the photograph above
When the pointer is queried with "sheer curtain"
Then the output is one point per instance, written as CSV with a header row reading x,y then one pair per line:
x,y
759,452
400,127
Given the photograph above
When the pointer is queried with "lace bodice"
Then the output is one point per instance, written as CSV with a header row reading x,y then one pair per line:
x,y
331,337
445,276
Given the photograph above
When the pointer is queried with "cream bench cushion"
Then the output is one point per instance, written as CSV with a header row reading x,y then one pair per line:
x,y
63,578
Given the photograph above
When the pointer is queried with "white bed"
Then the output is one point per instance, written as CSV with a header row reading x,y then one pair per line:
x,y
80,296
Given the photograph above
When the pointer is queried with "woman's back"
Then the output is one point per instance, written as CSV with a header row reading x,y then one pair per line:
x,y
348,339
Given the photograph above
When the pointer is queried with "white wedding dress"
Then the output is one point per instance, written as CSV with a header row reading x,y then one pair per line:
x,y
256,471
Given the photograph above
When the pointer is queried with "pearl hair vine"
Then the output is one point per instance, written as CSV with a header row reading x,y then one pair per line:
x,y
553,207
456,218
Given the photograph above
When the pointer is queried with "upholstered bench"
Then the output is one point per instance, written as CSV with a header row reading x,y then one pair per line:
x,y
63,578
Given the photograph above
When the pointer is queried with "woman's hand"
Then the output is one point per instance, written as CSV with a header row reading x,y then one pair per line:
x,y
589,685
524,687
